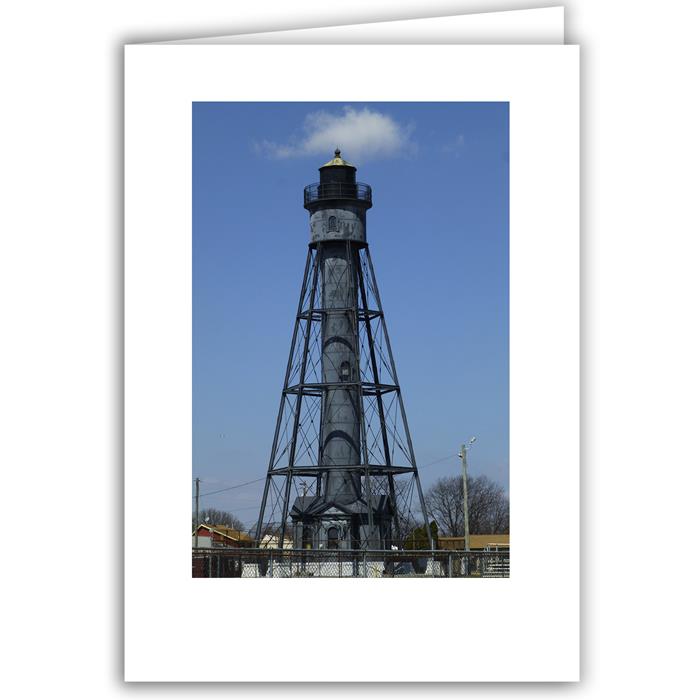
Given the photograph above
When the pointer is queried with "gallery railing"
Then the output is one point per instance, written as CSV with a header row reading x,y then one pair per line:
x,y
337,190
339,563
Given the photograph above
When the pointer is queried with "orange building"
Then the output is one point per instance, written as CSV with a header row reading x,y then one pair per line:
x,y
486,543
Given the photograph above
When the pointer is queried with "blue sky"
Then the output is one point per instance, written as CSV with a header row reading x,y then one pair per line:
x,y
438,234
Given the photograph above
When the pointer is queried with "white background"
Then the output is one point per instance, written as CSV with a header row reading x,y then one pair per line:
x,y
60,277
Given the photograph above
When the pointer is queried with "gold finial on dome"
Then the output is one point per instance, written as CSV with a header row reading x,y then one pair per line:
x,y
337,161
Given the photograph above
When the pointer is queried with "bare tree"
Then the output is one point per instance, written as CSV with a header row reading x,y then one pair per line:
x,y
404,521
489,507
219,517
407,524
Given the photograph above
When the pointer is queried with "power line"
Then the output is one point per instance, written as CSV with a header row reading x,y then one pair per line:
x,y
255,481
437,461
229,488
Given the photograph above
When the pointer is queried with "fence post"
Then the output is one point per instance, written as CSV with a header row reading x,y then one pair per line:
x,y
271,563
364,561
449,565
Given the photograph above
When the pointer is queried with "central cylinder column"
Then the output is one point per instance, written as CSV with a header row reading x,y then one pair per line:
x,y
340,430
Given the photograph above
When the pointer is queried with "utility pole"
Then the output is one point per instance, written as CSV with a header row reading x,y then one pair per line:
x,y
196,517
463,455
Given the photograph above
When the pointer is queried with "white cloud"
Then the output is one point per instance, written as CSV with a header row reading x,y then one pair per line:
x,y
361,134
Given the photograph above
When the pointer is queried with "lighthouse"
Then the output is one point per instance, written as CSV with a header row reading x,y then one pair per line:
x,y
342,472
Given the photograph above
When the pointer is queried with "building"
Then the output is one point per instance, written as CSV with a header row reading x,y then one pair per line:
x,y
271,541
221,536
485,543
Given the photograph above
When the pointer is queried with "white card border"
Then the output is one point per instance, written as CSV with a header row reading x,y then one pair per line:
x,y
523,628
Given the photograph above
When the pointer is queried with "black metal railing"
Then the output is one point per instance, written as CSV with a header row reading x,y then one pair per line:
x,y
337,190
343,563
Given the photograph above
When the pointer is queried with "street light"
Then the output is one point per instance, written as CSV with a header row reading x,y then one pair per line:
x,y
463,454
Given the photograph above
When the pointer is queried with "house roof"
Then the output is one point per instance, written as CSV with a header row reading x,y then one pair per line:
x,y
227,532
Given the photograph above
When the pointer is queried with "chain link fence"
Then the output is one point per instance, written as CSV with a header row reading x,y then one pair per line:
x,y
291,563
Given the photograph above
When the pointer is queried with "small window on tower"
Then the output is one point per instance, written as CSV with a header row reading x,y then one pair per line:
x,y
345,371
332,223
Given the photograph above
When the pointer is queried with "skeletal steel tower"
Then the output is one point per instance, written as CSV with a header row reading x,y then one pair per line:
x,y
341,424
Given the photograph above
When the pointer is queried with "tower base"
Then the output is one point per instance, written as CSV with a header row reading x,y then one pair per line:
x,y
321,524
